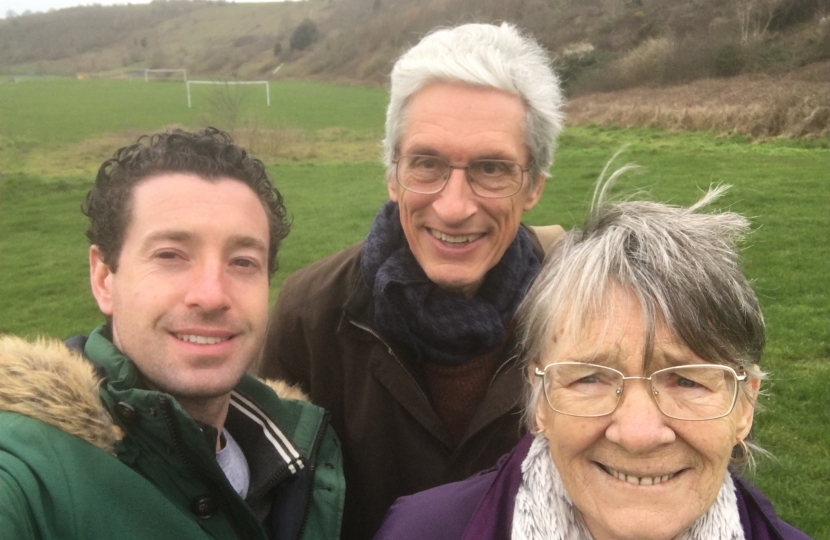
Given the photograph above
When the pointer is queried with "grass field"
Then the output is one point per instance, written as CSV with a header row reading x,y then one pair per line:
x,y
333,195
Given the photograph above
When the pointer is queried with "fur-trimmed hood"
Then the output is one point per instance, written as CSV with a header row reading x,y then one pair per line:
x,y
47,382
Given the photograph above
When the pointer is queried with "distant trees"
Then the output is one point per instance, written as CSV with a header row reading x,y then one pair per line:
x,y
304,35
754,17
757,17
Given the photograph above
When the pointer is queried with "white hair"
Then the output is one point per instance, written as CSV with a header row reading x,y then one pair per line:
x,y
488,56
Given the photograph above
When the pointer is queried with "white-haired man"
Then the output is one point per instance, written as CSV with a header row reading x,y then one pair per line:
x,y
407,336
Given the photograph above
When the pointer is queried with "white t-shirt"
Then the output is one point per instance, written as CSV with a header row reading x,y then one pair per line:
x,y
234,465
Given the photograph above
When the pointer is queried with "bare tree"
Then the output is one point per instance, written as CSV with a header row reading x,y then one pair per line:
x,y
225,106
754,17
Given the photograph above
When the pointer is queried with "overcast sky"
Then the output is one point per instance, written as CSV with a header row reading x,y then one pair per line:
x,y
19,6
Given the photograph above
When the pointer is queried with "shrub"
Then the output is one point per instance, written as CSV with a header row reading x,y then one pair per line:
x,y
645,63
573,61
304,35
821,46
242,41
796,11
728,60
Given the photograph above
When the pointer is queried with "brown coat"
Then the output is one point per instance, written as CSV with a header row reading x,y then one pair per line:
x,y
322,337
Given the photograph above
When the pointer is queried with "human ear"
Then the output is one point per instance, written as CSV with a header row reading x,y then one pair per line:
x,y
534,193
540,407
100,278
746,407
392,186
540,418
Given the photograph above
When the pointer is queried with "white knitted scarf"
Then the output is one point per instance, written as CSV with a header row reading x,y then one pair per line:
x,y
544,511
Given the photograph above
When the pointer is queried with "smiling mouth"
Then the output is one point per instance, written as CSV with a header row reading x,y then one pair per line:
x,y
638,480
460,239
201,340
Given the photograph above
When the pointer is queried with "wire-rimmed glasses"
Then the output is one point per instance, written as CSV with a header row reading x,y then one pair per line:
x,y
490,178
692,392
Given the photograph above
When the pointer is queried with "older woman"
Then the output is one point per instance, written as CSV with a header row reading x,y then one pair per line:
x,y
641,339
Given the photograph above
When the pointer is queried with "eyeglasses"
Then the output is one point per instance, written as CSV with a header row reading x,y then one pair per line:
x,y
694,392
490,178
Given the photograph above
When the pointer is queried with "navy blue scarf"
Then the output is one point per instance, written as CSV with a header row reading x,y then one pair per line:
x,y
432,323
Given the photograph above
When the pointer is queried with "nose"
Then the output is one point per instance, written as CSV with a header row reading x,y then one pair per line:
x,y
637,424
455,203
207,288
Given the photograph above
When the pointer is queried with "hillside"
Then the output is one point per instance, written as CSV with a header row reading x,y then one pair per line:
x,y
209,39
601,46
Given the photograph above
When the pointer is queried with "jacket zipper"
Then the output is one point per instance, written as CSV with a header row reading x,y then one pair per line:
x,y
312,469
166,412
389,349
392,353
263,491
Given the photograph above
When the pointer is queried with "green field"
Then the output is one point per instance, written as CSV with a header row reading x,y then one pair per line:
x,y
784,187
46,111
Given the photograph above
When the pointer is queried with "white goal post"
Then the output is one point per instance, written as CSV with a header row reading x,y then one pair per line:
x,y
177,70
267,88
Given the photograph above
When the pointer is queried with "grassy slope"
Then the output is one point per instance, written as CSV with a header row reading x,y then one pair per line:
x,y
782,186
200,36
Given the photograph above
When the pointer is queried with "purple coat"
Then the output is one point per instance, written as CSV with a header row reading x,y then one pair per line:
x,y
481,508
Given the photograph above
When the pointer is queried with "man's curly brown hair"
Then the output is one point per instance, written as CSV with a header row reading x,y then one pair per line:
x,y
208,153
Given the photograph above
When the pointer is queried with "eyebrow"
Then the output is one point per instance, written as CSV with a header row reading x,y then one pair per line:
x,y
241,241
430,151
605,358
177,236
498,155
674,358
185,237
423,151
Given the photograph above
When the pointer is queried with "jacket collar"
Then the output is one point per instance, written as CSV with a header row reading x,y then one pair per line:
x,y
493,518
270,453
758,516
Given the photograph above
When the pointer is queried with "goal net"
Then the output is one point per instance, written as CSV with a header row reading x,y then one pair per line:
x,y
231,83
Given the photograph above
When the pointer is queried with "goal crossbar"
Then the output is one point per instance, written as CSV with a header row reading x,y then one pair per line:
x,y
267,88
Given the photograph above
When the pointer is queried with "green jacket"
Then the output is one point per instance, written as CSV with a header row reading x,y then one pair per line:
x,y
85,458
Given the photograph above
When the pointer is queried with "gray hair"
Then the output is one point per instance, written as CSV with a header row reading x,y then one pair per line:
x,y
489,56
680,264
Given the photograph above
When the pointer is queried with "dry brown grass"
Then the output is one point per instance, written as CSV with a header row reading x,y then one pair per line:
x,y
759,106
281,146
273,146
72,159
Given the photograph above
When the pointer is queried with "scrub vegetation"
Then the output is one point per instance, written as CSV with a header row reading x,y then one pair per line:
x,y
321,143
